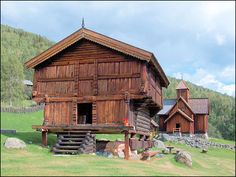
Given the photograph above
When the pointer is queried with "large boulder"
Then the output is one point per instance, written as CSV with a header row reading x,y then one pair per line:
x,y
14,143
184,157
159,144
115,147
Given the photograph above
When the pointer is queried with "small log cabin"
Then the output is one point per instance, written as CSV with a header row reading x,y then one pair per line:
x,y
90,84
184,114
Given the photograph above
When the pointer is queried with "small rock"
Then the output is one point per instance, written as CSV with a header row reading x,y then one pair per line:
x,y
204,150
14,143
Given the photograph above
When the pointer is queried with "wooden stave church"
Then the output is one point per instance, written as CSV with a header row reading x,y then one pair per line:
x,y
184,115
80,69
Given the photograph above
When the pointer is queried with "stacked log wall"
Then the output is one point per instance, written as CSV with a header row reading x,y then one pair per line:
x,y
143,120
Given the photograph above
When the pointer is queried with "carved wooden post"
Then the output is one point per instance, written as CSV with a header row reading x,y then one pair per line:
x,y
74,110
46,120
94,113
126,151
46,110
95,78
127,101
144,79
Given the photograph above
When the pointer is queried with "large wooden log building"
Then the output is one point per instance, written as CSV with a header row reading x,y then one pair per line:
x,y
91,84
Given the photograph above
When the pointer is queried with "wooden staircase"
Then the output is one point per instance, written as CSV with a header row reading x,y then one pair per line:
x,y
75,142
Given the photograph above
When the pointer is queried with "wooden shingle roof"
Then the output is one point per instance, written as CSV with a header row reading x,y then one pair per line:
x,y
198,105
114,44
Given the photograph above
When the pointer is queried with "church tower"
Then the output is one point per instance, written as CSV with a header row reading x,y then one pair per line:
x,y
182,90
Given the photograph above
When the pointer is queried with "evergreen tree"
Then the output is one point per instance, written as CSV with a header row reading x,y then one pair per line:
x,y
12,90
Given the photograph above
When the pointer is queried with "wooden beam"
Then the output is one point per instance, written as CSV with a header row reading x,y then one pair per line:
x,y
56,79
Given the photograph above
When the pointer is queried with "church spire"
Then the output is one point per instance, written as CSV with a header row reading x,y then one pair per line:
x,y
182,90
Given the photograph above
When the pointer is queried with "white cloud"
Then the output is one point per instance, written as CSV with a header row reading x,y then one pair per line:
x,y
220,39
229,72
203,78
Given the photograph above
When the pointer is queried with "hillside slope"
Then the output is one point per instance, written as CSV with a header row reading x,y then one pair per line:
x,y
21,46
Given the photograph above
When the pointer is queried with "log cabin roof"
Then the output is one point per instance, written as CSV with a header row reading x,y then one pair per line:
x,y
198,105
182,85
106,41
180,112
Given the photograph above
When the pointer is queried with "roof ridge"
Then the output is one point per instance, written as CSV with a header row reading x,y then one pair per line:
x,y
118,40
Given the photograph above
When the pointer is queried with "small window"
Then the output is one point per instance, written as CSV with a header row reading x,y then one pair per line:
x,y
177,125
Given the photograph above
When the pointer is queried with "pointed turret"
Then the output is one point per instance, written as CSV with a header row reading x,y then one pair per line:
x,y
182,90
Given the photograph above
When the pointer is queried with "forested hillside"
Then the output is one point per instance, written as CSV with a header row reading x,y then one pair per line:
x,y
17,46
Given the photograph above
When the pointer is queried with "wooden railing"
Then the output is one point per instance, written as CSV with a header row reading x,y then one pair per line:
x,y
176,130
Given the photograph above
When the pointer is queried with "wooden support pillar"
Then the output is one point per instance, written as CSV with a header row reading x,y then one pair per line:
x,y
44,138
126,145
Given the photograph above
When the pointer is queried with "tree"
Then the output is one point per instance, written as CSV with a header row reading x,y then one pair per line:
x,y
12,88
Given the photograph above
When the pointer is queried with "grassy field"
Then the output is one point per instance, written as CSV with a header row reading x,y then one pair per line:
x,y
36,160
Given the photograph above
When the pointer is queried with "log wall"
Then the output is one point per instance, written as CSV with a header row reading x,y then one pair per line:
x,y
143,120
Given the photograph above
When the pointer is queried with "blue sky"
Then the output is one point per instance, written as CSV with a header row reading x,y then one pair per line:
x,y
196,39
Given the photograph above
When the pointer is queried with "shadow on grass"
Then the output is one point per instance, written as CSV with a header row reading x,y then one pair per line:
x,y
33,138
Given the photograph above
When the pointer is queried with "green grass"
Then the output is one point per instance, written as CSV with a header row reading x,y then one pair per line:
x,y
36,160
21,121
222,141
